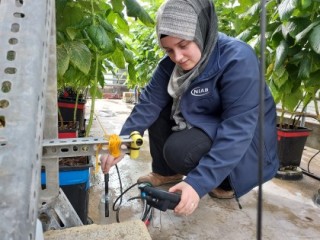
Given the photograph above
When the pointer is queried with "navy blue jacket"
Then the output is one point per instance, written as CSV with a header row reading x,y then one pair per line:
x,y
223,101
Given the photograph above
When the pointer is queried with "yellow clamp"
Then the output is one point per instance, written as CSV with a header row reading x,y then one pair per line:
x,y
135,145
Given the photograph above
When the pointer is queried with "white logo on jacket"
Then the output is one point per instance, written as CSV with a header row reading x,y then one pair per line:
x,y
198,92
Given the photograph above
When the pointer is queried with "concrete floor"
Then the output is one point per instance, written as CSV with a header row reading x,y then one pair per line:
x,y
289,211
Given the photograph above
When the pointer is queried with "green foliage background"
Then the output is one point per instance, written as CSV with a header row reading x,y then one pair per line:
x,y
95,37
90,42
292,45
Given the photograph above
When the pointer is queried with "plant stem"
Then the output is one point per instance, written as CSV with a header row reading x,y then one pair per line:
x,y
76,107
93,91
93,94
316,106
60,116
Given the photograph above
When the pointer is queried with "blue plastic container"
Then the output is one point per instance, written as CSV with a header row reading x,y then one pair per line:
x,y
75,183
71,176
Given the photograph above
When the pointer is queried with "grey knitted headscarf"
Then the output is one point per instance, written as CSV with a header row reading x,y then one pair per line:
x,y
192,20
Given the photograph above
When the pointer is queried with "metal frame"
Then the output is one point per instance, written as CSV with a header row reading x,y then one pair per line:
x,y
25,35
72,147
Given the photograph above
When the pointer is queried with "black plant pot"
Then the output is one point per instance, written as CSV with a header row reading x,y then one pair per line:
x,y
68,129
67,108
291,142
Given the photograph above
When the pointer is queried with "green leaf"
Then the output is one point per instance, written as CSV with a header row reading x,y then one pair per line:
x,y
294,26
280,81
314,39
286,9
296,58
245,35
251,11
302,34
280,71
315,65
120,44
118,59
86,21
117,5
69,16
314,80
72,32
304,69
135,10
307,98
106,25
100,38
305,3
132,72
121,24
71,76
109,65
63,60
292,99
80,55
60,5
281,54
128,55
276,38
275,92
100,76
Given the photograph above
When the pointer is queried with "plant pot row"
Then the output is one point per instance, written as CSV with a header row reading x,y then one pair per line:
x,y
74,172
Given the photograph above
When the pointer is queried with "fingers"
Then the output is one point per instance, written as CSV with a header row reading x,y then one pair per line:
x,y
189,199
186,208
103,162
107,161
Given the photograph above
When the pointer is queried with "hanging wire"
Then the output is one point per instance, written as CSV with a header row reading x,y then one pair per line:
x,y
114,150
311,159
261,115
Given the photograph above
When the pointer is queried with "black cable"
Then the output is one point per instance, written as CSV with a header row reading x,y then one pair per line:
x,y
310,174
120,197
118,209
261,115
146,215
311,159
120,184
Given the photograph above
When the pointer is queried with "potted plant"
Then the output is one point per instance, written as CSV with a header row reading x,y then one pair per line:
x,y
292,64
71,112
89,43
292,59
291,142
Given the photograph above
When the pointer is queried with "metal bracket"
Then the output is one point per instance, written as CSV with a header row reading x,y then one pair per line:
x,y
72,147
58,214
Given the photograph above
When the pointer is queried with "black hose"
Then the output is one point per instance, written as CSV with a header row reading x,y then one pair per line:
x,y
106,195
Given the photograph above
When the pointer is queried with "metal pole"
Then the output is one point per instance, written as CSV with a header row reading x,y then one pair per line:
x,y
25,28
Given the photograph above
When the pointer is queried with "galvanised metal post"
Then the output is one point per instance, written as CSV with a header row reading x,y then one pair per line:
x,y
25,33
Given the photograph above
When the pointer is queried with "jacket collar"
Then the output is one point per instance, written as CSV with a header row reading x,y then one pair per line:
x,y
213,65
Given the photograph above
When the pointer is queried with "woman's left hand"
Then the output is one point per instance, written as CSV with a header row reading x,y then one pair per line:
x,y
107,161
189,198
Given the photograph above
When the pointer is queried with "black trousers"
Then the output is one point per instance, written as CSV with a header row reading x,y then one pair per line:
x,y
177,152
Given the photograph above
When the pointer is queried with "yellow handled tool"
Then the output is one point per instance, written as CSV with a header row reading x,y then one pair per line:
x,y
135,145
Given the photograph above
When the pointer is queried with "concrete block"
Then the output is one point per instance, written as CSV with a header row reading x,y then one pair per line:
x,y
129,230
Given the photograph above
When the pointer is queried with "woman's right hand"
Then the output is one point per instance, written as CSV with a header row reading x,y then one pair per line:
x,y
107,161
